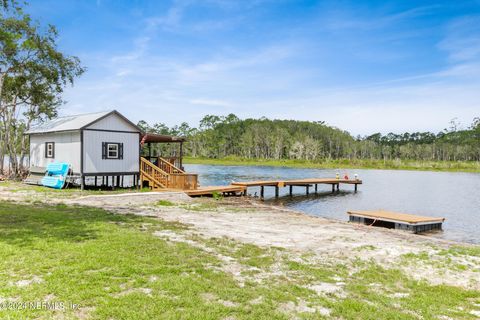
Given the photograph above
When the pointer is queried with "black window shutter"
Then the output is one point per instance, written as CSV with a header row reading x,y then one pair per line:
x,y
53,150
120,150
104,150
46,149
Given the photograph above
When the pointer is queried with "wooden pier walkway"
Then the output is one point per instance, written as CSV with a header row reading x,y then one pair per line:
x,y
223,190
307,183
396,220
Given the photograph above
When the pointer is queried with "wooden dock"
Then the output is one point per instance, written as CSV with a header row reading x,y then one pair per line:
x,y
395,220
223,190
306,183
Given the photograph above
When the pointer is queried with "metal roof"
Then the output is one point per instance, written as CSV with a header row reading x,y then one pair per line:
x,y
72,123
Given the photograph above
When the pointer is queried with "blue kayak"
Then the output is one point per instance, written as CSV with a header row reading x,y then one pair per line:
x,y
56,175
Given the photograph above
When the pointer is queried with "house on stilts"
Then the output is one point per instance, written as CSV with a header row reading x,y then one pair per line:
x,y
105,149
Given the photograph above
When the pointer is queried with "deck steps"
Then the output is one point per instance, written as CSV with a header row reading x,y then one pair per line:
x,y
165,176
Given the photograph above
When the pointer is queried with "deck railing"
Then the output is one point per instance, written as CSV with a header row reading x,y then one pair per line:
x,y
168,167
150,172
166,175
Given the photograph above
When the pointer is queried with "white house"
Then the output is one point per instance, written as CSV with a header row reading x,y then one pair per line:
x,y
103,145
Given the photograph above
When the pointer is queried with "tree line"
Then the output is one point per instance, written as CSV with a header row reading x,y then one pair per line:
x,y
225,136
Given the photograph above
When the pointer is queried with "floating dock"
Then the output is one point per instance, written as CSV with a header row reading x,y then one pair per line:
x,y
306,183
223,190
395,220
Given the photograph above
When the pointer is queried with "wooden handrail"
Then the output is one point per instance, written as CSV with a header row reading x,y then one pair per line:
x,y
175,180
150,164
151,171
173,168
154,180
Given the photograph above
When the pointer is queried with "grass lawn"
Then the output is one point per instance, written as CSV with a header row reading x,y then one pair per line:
x,y
114,267
70,192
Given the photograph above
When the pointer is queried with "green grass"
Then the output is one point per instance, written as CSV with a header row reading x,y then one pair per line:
x,y
379,287
444,258
17,186
115,268
102,261
462,250
248,254
455,166
165,203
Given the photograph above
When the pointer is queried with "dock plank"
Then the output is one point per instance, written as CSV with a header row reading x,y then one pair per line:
x,y
396,217
204,191
308,181
323,181
258,183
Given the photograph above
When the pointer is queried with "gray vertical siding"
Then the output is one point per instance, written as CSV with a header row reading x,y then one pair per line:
x,y
67,149
113,122
92,149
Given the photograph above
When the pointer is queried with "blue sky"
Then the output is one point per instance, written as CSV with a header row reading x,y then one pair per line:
x,y
363,66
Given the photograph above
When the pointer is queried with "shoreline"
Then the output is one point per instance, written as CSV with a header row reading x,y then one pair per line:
x,y
466,167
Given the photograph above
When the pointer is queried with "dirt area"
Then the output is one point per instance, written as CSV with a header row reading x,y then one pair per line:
x,y
251,221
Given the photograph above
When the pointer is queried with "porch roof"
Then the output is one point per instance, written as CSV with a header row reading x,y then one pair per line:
x,y
153,137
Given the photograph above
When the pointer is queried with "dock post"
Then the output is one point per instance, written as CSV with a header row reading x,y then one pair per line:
x,y
338,187
291,190
333,188
307,189
276,191
316,188
245,192
356,184
262,191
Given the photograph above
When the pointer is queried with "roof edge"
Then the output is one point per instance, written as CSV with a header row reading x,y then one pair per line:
x,y
110,113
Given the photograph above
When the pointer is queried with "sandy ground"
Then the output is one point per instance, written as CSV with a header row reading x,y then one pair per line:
x,y
251,221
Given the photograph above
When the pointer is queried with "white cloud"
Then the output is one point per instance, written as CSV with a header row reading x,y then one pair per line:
x,y
462,41
210,102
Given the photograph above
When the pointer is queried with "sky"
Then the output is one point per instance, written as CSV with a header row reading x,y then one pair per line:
x,y
362,66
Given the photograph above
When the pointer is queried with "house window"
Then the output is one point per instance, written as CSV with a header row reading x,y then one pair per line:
x,y
49,149
112,150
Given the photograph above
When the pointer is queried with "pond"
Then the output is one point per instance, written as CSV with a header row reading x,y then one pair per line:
x,y
452,195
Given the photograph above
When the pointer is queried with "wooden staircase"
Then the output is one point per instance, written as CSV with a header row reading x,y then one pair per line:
x,y
166,176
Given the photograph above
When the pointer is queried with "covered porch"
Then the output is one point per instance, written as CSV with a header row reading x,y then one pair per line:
x,y
161,163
